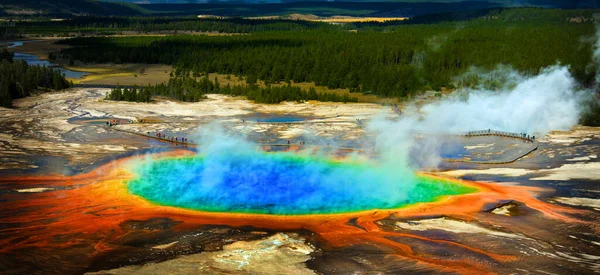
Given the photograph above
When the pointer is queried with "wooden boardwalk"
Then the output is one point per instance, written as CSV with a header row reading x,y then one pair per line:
x,y
113,128
533,147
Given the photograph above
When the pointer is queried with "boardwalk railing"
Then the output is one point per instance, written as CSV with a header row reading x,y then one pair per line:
x,y
499,133
153,137
534,144
489,132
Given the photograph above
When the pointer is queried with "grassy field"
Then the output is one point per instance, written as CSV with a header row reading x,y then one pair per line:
x,y
339,19
101,74
234,80
129,74
122,74
330,19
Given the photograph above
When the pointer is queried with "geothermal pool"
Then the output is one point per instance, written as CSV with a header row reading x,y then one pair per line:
x,y
156,204
281,184
275,118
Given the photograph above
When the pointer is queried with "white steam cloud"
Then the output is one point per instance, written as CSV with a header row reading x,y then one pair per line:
x,y
535,105
538,104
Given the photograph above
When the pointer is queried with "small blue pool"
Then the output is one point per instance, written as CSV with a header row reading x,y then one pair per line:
x,y
274,118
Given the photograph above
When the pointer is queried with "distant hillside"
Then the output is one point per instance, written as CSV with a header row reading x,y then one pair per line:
x,y
537,3
58,8
62,8
250,8
387,9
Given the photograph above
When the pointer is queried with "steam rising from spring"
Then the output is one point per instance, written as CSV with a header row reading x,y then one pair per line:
x,y
231,174
536,105
231,169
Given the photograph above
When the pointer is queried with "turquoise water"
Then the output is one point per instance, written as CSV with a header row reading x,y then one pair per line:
x,y
280,184
273,118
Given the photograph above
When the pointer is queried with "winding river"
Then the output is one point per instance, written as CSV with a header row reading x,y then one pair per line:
x,y
34,60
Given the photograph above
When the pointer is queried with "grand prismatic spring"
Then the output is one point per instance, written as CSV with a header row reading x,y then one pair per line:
x,y
281,184
342,200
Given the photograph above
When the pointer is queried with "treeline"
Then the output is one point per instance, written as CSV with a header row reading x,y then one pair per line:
x,y
396,63
277,94
114,25
191,90
18,80
179,88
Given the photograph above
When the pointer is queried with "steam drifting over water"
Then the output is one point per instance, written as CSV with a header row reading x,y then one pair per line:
x,y
230,174
536,104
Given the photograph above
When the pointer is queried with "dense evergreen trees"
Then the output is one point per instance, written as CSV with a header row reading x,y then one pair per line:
x,y
178,88
6,55
192,90
277,94
396,63
18,80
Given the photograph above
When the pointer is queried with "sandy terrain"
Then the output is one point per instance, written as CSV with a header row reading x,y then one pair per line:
x,y
586,202
453,226
577,134
562,156
278,254
565,172
40,126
